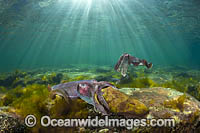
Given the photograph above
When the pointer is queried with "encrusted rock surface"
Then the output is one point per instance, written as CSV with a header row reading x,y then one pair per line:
x,y
11,124
183,108
123,104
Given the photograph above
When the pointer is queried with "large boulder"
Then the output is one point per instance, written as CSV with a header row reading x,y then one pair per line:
x,y
168,103
123,104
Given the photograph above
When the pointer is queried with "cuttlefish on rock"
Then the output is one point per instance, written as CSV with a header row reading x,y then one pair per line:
x,y
105,97
87,90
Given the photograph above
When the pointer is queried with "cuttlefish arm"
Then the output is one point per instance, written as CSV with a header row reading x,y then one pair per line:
x,y
122,64
90,93
119,62
100,102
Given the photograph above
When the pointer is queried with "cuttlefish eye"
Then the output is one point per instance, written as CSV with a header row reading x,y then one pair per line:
x,y
83,85
84,89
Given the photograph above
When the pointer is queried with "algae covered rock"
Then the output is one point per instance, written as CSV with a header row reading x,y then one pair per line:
x,y
10,123
122,104
169,103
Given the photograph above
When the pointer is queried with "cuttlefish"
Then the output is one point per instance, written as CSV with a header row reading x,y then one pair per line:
x,y
87,90
126,59
105,97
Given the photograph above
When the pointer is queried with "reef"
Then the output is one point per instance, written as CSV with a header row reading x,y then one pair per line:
x,y
157,93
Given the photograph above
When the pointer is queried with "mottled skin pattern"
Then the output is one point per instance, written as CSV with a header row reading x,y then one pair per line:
x,y
126,59
88,90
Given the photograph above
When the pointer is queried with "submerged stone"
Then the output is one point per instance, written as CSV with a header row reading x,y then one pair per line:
x,y
122,104
169,103
11,124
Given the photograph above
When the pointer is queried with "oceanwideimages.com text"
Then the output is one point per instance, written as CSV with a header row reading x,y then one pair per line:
x,y
46,121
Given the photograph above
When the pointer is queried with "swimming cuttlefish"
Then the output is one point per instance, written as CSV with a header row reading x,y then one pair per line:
x,y
126,59
87,90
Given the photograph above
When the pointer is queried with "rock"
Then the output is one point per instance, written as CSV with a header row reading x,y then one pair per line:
x,y
10,123
122,104
169,103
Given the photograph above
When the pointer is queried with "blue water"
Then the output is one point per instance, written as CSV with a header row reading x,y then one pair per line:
x,y
56,33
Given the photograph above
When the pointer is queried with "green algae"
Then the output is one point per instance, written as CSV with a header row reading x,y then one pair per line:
x,y
177,103
144,83
62,109
23,101
3,89
11,95
52,78
27,100
180,85
80,77
33,100
184,85
139,82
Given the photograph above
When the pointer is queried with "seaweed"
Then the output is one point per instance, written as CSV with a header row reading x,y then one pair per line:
x,y
58,107
80,77
190,86
53,78
3,89
143,82
32,101
177,103
10,96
